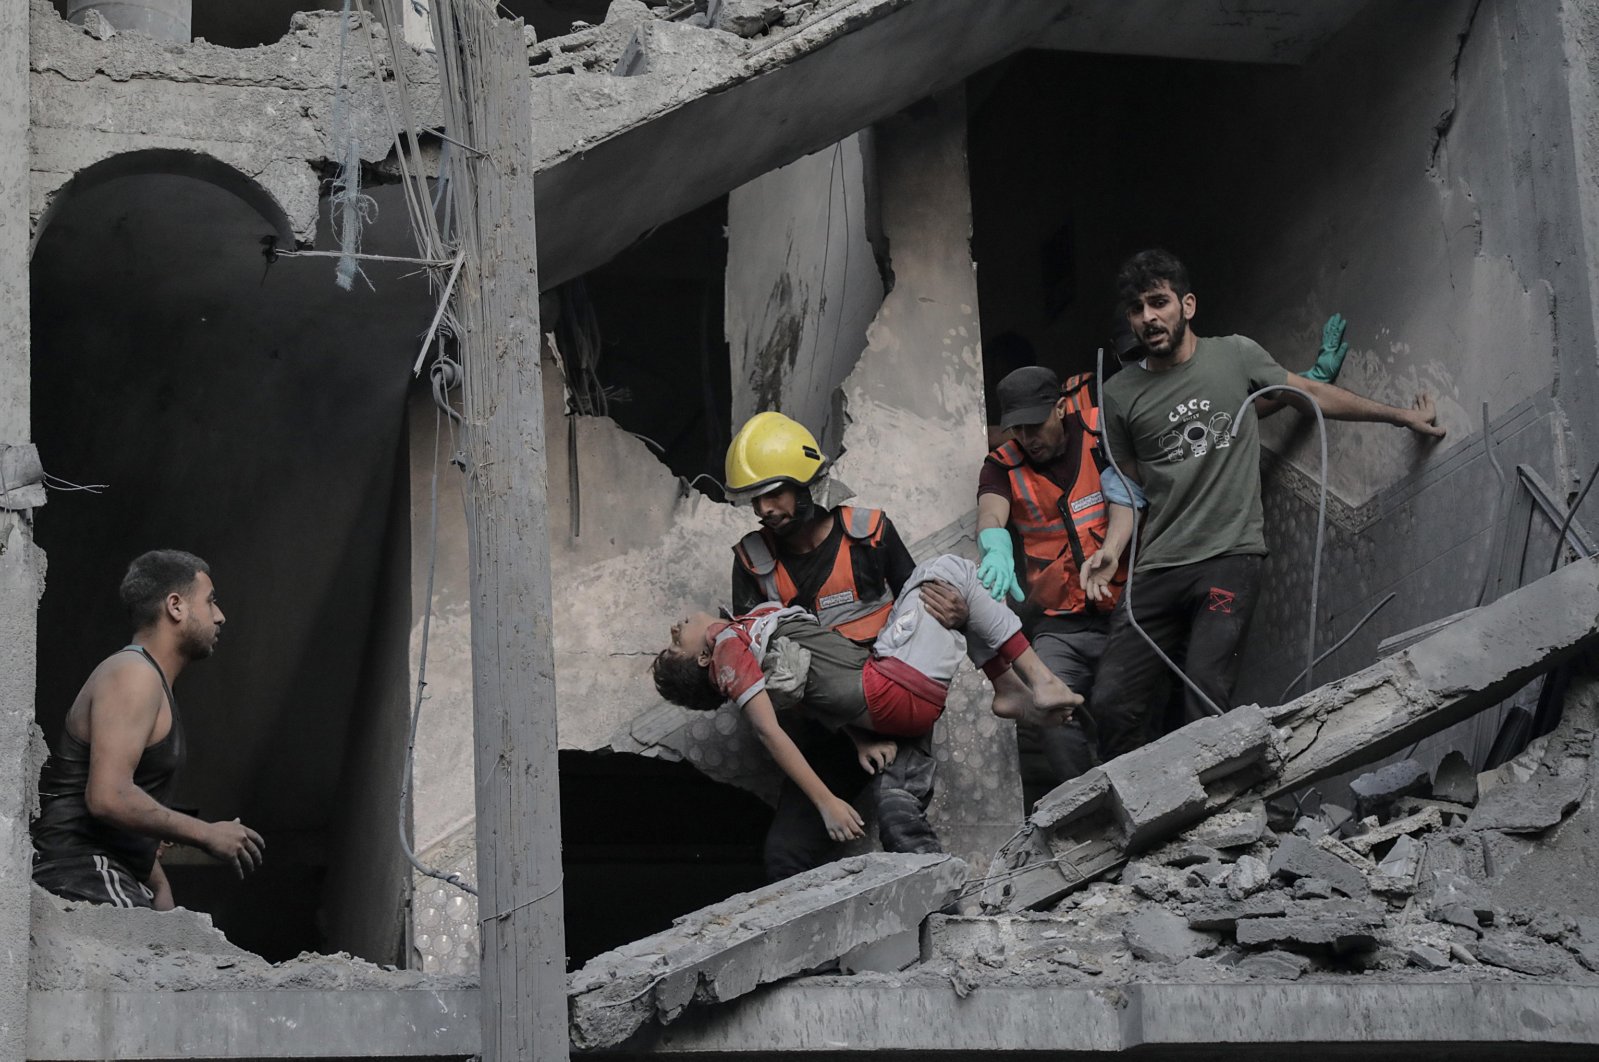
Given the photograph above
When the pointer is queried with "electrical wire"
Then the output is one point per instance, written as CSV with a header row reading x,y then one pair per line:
x,y
1340,643
1571,514
439,375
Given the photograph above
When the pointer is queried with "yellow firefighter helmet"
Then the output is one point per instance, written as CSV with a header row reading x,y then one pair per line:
x,y
769,451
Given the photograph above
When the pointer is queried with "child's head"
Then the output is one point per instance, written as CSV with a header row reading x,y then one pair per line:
x,y
682,670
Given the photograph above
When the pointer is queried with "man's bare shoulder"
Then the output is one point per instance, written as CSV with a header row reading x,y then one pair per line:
x,y
124,680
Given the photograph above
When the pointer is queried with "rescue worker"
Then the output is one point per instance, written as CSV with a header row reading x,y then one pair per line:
x,y
1043,487
845,565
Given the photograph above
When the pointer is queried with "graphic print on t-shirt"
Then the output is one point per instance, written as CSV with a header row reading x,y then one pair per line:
x,y
1197,431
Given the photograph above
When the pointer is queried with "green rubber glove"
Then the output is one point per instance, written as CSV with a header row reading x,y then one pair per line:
x,y
997,572
1330,360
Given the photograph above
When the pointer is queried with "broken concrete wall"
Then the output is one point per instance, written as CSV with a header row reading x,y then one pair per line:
x,y
1465,276
802,283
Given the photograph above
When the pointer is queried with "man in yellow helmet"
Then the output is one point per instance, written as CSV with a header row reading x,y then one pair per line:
x,y
845,565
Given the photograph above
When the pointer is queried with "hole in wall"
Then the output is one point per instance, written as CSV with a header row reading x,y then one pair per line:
x,y
645,841
644,343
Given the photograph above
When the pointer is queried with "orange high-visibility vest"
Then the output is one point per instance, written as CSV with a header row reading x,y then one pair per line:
x,y
1061,529
840,603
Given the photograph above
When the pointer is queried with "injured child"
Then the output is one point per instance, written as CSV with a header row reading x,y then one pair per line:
x,y
885,698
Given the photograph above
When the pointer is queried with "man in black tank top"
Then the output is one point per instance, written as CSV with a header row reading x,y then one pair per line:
x,y
104,790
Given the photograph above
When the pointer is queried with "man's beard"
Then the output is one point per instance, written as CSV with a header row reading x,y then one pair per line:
x,y
196,646
1175,336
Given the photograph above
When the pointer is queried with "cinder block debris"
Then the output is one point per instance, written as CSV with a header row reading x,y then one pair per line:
x,y
1296,858
1157,935
725,950
1454,780
1376,792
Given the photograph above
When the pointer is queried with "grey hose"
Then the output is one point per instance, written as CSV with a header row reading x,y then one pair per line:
x,y
1321,512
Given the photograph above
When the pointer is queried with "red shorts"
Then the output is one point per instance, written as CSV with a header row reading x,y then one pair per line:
x,y
901,701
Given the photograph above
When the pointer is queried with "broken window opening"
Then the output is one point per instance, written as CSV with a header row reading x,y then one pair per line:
x,y
254,414
642,342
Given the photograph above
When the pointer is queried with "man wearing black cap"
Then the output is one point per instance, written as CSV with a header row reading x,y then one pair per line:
x,y
1043,487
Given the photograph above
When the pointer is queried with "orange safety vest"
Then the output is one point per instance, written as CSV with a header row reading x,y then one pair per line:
x,y
840,603
1061,529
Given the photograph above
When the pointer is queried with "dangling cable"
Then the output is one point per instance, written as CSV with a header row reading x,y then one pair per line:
x,y
1321,511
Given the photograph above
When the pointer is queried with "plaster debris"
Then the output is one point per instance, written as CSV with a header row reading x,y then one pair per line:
x,y
78,946
725,950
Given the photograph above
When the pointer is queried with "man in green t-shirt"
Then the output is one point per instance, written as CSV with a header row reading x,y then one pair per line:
x,y
1170,421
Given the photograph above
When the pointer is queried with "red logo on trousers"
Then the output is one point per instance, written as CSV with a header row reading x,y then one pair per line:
x,y
1221,600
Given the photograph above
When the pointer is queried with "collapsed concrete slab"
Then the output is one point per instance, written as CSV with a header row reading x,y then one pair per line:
x,y
1090,824
725,950
1093,823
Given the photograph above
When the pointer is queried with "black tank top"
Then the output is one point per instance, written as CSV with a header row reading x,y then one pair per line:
x,y
65,827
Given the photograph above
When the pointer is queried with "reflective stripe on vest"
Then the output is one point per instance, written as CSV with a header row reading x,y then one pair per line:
x,y
839,603
1059,529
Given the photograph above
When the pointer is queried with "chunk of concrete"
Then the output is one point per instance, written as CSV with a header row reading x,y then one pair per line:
x,y
1238,828
1249,876
1420,822
1297,858
725,950
1312,889
1426,957
1157,935
1376,792
889,955
1523,954
1222,912
1167,784
1274,965
1532,806
1454,780
1337,924
1396,874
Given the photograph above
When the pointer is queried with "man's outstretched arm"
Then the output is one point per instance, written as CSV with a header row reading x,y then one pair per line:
x,y
1339,404
122,720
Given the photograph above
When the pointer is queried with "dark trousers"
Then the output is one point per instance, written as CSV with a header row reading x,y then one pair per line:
x,y
1198,615
1071,647
898,796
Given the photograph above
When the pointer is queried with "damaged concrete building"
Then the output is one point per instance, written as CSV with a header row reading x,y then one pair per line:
x,y
1394,863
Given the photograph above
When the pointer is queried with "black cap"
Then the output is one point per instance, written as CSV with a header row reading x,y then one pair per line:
x,y
1027,396
1123,338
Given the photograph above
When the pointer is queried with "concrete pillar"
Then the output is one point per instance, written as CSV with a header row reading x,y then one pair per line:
x,y
19,560
915,439
168,20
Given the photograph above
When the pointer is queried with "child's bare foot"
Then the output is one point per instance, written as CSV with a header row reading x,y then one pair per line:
x,y
1012,698
1053,701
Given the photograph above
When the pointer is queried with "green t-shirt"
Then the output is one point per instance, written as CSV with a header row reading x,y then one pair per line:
x,y
1203,485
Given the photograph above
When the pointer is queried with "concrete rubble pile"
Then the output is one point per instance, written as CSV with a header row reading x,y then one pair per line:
x,y
1209,857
